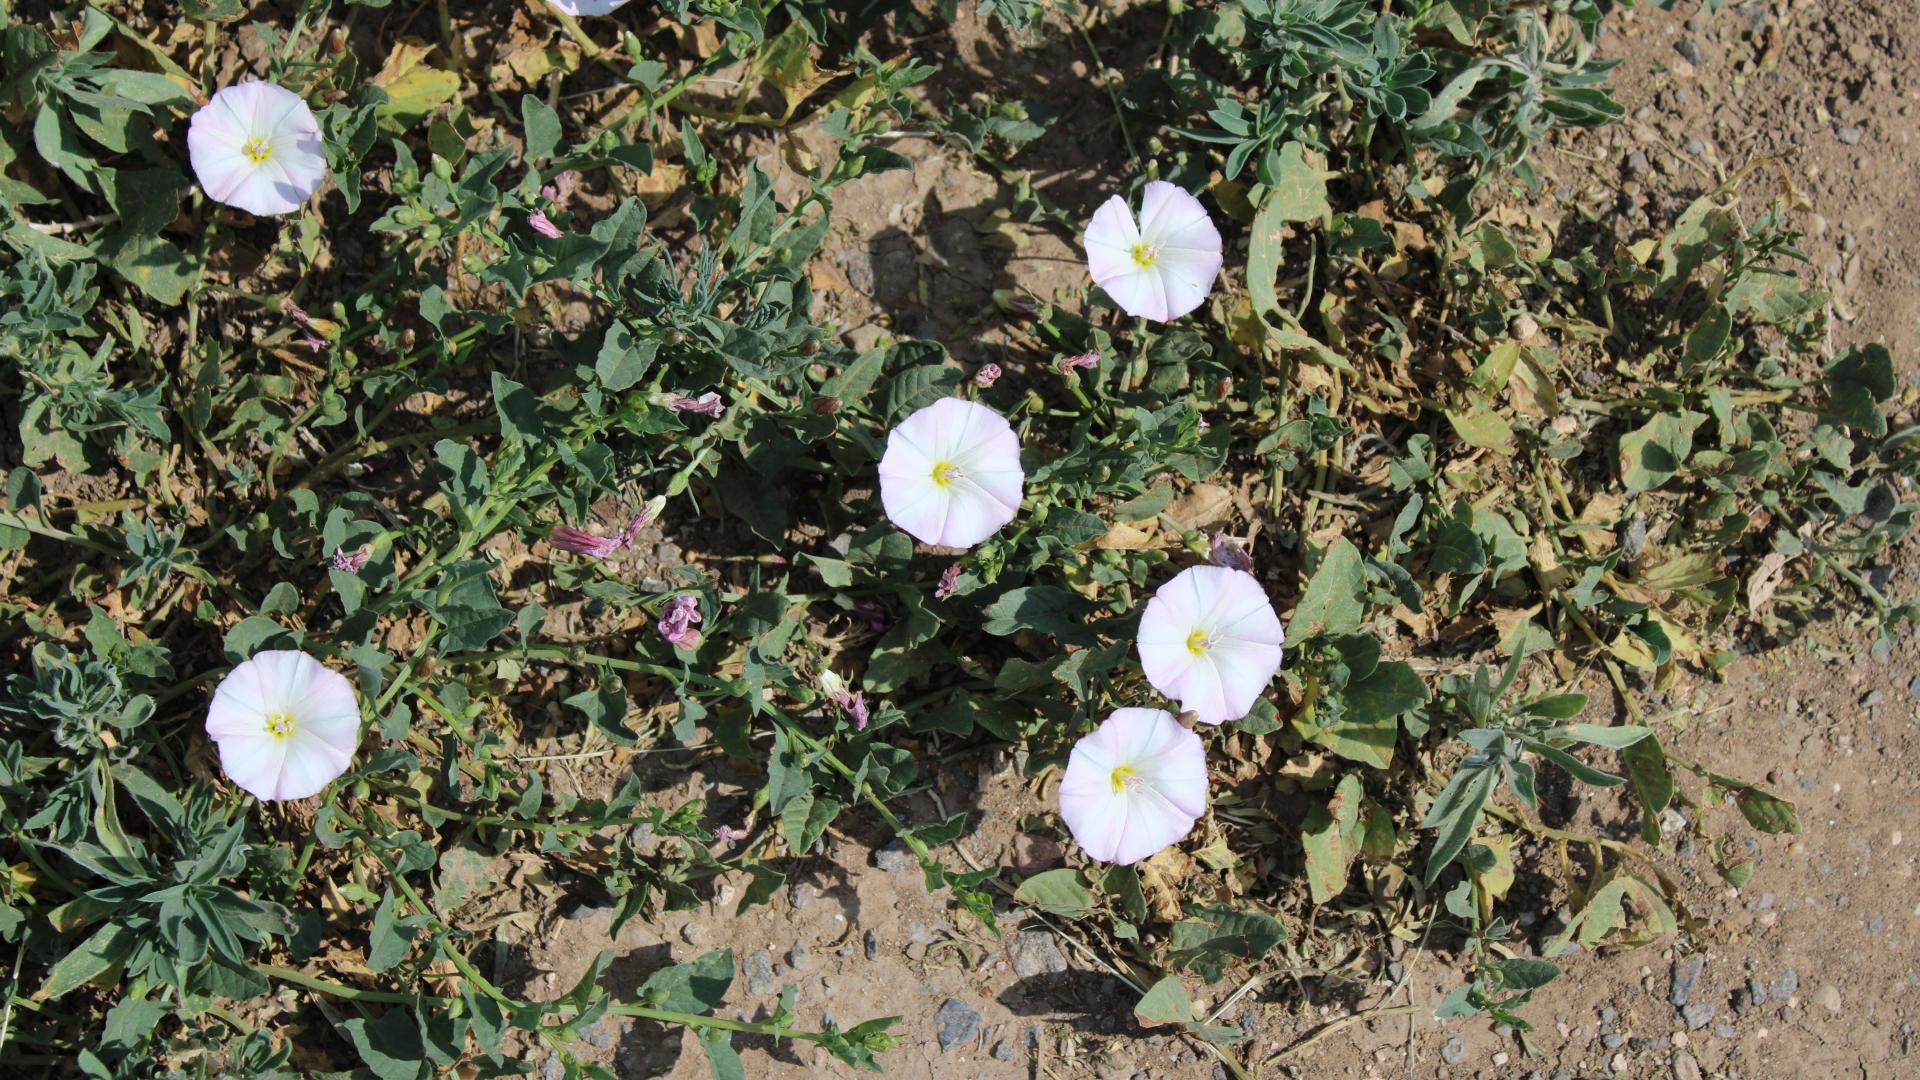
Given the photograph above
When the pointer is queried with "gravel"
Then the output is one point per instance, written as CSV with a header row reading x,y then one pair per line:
x,y
1850,135
1035,952
759,973
798,957
1685,1067
1454,1052
1002,1051
1697,1015
1686,974
873,945
958,1024
693,933
1785,986
894,858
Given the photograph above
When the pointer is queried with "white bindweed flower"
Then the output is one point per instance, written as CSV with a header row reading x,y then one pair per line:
x,y
578,8
286,724
1162,268
1210,640
951,474
256,146
1134,786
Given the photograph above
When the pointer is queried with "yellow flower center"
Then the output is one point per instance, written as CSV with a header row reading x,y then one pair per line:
x,y
1122,776
1143,254
258,149
945,473
1198,643
280,724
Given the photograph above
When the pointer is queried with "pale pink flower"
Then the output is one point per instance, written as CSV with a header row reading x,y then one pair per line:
x,y
1210,640
707,404
951,474
949,581
1230,552
987,375
581,542
1134,786
1163,267
559,191
540,223
853,703
348,562
677,622
579,8
729,833
286,725
1089,359
257,146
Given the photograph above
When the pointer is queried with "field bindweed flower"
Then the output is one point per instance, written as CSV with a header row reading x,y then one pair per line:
x,y
951,474
729,833
1210,640
1085,360
677,622
578,8
348,562
1133,786
256,146
949,581
851,702
286,725
987,375
581,542
1230,552
1161,268
559,191
707,404
540,223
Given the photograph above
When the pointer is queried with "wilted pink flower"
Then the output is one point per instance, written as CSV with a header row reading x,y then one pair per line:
x,y
539,223
949,581
853,703
1088,359
729,833
561,188
678,621
987,375
349,562
313,341
707,404
580,542
1230,552
309,333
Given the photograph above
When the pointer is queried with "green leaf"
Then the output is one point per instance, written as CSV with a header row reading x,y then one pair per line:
x,y
623,358
696,987
1652,454
721,1056
390,1046
1299,194
1057,892
1646,764
1332,601
1454,814
387,942
1165,1002
1856,385
1482,427
805,819
1331,836
1219,934
1618,736
108,946
920,386
1766,812
1393,688
1047,609
1522,973
1708,337
542,127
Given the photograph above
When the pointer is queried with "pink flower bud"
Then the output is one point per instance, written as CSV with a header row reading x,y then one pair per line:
x,y
949,580
580,542
678,621
1230,552
348,562
707,404
537,221
1089,359
987,375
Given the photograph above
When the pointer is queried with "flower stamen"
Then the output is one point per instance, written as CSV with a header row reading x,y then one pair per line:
x,y
1144,254
945,473
280,724
1124,776
1198,643
258,149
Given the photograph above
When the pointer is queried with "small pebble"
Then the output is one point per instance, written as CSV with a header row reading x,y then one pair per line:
x,y
873,945
1697,1015
1454,1052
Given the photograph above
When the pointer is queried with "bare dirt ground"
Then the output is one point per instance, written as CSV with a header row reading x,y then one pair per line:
x,y
1811,970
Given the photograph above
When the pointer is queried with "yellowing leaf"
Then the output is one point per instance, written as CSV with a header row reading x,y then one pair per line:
x,y
414,88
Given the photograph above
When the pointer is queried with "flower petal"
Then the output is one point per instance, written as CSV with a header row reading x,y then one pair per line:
x,y
255,763
1141,292
983,494
1155,807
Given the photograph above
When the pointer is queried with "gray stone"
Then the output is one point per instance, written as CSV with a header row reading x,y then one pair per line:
x,y
1688,48
1850,134
1697,1015
1685,974
799,957
1612,1042
693,933
1637,163
1454,1052
895,858
1785,986
1002,1051
1035,952
1913,688
597,1035
759,973
1757,991
873,945
1685,1067
552,1069
1828,998
1725,1031
958,1024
